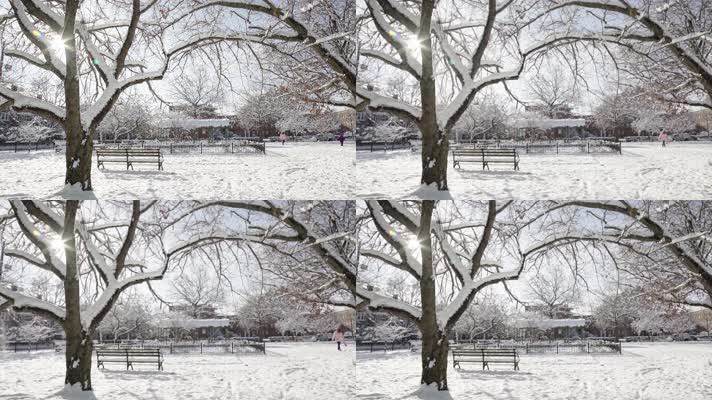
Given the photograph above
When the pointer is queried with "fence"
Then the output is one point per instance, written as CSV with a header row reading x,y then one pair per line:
x,y
28,346
244,346
198,341
599,146
289,338
382,146
202,348
552,348
381,346
17,147
232,147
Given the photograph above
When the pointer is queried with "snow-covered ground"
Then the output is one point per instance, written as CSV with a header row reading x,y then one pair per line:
x,y
293,171
654,371
643,171
288,371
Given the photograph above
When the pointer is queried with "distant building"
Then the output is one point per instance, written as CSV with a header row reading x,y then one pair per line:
x,y
553,122
347,319
703,119
703,319
193,129
558,311
347,119
550,328
552,128
206,311
553,322
198,112
194,328
562,111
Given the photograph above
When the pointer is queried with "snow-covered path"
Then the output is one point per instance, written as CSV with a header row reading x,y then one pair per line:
x,y
643,171
656,371
288,371
292,171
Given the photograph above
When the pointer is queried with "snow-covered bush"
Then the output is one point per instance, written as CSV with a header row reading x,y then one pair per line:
x,y
391,329
33,130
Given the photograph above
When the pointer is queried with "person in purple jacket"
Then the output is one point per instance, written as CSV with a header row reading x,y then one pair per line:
x,y
342,138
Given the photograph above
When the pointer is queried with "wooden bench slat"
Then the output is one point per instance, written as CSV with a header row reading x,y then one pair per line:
x,y
485,356
129,357
485,157
129,157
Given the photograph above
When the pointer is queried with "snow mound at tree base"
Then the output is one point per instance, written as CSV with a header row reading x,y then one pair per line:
x,y
75,392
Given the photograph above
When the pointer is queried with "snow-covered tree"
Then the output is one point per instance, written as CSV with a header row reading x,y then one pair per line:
x,y
96,251
35,329
390,129
196,90
663,246
442,54
197,288
448,252
660,318
615,314
95,50
130,317
283,111
485,119
486,316
389,329
616,112
551,88
33,130
133,116
552,288
664,46
672,123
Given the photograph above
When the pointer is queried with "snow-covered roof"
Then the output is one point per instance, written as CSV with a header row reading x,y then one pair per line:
x,y
194,323
190,123
549,323
550,123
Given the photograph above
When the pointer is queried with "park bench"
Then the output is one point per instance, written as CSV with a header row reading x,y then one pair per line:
x,y
485,357
485,156
129,157
129,357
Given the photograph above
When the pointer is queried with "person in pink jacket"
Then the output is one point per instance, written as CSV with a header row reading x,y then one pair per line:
x,y
282,138
338,337
663,137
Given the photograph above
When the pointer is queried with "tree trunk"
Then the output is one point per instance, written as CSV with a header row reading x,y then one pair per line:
x,y
79,344
79,140
78,158
434,360
78,357
435,343
434,158
435,140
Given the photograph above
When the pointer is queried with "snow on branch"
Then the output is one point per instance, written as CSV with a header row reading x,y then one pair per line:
x,y
22,102
379,102
451,255
383,303
392,261
409,63
449,315
392,237
302,230
26,303
53,62
52,262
